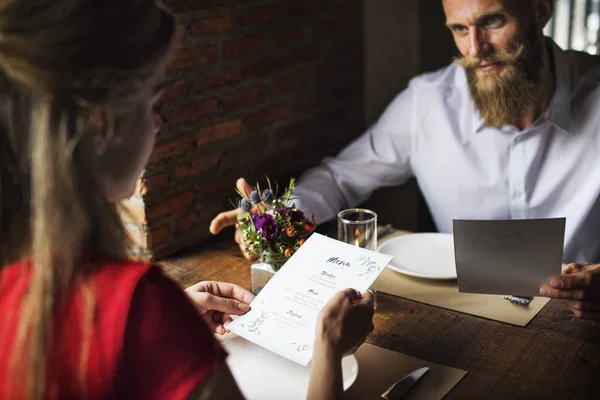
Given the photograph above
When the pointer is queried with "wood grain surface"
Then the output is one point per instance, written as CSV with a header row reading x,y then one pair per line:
x,y
557,356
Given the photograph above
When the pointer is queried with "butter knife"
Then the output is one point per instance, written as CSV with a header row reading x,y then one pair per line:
x,y
398,389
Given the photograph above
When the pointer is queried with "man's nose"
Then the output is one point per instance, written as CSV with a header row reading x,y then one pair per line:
x,y
478,45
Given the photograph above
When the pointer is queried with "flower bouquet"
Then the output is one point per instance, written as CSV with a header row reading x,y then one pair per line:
x,y
272,228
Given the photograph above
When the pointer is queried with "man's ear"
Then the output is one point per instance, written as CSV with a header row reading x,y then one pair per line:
x,y
543,11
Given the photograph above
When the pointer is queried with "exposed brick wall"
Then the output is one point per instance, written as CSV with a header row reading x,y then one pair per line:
x,y
259,88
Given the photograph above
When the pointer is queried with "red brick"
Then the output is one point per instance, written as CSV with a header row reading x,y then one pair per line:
x,y
157,181
250,147
222,77
185,5
332,26
242,98
342,90
227,181
191,112
244,46
261,15
205,215
230,2
201,55
197,166
263,67
300,56
151,183
289,35
186,222
171,205
307,101
213,25
171,148
177,89
159,236
266,116
219,132
297,129
291,82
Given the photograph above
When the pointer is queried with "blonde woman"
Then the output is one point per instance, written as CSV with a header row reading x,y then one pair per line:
x,y
78,319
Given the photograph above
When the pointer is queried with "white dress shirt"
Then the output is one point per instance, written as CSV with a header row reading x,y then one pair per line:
x,y
466,170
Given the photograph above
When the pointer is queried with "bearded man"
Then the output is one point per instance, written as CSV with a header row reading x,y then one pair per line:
x,y
509,130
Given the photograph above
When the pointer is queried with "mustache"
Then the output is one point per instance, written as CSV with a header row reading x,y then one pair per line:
x,y
502,57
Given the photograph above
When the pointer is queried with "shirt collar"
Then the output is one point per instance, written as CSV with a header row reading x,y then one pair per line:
x,y
559,110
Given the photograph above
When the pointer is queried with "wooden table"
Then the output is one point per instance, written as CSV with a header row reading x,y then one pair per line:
x,y
557,356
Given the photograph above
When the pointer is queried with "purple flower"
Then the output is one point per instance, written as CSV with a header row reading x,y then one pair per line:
x,y
266,225
295,215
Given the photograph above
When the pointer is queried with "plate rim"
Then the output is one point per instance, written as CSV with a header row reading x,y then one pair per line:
x,y
416,274
355,364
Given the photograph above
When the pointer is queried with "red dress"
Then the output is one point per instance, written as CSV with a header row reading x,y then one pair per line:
x,y
147,339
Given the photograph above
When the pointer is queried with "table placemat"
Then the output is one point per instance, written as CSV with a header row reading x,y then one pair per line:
x,y
445,294
379,368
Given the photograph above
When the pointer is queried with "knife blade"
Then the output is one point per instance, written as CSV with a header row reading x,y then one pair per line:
x,y
398,389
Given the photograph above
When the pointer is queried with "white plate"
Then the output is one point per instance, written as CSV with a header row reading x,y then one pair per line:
x,y
262,374
423,255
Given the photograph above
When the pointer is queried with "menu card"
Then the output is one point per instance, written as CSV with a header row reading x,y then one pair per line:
x,y
507,256
284,314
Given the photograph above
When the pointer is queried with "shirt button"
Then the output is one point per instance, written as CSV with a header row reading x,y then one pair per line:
x,y
516,194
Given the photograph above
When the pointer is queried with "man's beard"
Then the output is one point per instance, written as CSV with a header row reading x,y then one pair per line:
x,y
503,96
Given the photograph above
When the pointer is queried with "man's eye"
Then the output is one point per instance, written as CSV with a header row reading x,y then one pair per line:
x,y
459,29
493,21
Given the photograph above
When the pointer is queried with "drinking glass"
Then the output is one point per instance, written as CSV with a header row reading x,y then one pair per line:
x,y
358,226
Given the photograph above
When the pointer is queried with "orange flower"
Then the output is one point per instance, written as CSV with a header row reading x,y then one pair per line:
x,y
309,227
290,231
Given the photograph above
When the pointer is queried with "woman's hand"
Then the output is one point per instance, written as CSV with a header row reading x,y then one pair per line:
x,y
343,324
218,301
345,321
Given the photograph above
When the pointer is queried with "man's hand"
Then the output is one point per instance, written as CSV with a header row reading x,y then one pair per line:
x,y
579,284
218,301
229,218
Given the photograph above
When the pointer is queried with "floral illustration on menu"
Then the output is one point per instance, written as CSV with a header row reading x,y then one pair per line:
x,y
302,347
370,267
254,324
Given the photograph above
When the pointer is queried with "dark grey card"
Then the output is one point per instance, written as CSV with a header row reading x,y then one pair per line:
x,y
510,257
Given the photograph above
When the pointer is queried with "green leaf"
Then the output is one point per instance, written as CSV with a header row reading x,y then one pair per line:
x,y
244,217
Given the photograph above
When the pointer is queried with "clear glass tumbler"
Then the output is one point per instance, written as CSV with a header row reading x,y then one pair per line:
x,y
358,226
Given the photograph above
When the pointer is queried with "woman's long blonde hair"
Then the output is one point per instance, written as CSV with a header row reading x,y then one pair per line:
x,y
58,59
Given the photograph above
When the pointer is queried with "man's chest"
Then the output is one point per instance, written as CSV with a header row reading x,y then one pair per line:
x,y
504,174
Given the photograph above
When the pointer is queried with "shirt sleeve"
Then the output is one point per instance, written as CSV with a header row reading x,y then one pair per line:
x,y
380,157
168,349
